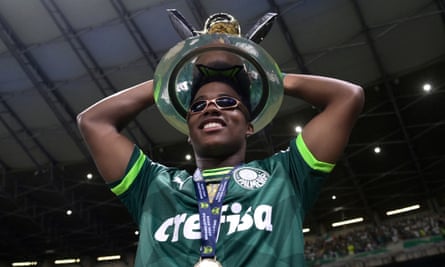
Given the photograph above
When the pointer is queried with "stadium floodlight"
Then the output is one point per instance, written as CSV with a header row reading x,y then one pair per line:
x,y
345,222
402,210
67,261
109,258
24,263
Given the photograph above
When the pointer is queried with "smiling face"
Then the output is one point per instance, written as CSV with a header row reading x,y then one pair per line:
x,y
218,133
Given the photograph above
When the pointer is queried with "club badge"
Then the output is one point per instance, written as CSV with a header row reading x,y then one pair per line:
x,y
250,178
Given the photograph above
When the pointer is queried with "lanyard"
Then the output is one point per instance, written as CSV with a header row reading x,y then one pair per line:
x,y
209,213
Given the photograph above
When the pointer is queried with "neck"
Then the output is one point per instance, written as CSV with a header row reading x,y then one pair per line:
x,y
213,163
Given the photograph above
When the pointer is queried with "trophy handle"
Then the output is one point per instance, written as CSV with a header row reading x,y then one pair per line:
x,y
261,27
182,27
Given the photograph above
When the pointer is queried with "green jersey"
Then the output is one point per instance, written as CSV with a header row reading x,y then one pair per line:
x,y
261,218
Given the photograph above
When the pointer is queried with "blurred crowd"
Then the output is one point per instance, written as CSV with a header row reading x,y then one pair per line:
x,y
373,237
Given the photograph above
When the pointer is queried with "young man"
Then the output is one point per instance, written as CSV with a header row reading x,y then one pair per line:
x,y
261,204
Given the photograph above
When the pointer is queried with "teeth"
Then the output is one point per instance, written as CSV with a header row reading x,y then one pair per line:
x,y
212,124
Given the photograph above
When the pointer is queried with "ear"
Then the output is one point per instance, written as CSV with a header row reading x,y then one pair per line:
x,y
250,130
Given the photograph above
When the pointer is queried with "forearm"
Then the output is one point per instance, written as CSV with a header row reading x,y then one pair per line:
x,y
322,91
120,108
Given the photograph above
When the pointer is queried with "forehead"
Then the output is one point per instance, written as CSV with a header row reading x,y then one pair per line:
x,y
215,89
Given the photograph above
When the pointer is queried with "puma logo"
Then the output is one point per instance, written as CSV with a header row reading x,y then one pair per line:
x,y
179,181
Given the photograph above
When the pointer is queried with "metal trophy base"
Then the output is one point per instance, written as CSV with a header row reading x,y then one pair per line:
x,y
173,75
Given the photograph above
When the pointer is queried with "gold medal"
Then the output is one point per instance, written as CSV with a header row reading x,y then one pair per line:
x,y
208,262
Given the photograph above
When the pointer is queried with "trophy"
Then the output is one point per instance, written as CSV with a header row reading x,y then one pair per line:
x,y
221,32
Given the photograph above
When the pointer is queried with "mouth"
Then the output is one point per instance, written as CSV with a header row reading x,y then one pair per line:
x,y
212,124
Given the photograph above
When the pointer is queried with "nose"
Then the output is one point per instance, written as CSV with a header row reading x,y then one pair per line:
x,y
211,107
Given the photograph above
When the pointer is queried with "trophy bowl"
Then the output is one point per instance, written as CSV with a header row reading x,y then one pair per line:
x,y
173,78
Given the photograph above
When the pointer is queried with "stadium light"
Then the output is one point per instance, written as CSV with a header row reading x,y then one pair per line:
x,y
345,222
24,263
67,261
402,210
109,258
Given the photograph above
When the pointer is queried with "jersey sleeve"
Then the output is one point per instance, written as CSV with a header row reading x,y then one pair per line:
x,y
308,172
133,187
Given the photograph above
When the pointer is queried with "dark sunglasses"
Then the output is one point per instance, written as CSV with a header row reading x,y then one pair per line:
x,y
222,102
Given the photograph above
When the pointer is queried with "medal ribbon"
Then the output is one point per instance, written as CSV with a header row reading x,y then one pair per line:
x,y
209,213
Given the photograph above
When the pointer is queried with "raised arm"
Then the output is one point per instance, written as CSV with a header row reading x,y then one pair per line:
x,y
340,102
101,125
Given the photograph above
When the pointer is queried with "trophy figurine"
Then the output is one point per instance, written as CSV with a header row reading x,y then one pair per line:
x,y
221,31
222,23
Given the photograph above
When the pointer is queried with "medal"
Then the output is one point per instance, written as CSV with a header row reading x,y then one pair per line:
x,y
209,217
208,262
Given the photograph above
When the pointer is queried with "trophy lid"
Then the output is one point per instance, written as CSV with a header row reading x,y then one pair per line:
x,y
174,73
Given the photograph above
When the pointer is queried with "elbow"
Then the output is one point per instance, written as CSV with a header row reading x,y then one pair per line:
x,y
88,125
83,120
356,98
359,95
80,120
90,122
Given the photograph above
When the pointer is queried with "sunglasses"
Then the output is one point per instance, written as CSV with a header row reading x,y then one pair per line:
x,y
222,102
